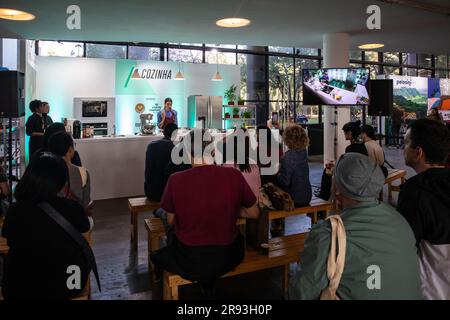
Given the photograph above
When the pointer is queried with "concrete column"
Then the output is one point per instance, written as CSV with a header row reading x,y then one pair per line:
x,y
336,54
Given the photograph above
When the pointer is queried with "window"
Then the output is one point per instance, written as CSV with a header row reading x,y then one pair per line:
x,y
281,78
412,72
424,60
301,64
391,71
441,62
226,46
310,112
371,56
186,55
441,74
409,59
355,65
355,55
374,71
307,51
220,57
61,49
391,58
282,49
106,51
424,73
143,53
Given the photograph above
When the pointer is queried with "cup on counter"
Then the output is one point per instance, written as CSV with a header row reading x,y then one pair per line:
x,y
265,248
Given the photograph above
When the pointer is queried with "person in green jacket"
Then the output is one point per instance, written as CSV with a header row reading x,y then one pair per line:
x,y
381,260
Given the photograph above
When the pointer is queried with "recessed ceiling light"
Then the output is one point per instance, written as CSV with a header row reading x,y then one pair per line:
x,y
233,22
371,46
12,14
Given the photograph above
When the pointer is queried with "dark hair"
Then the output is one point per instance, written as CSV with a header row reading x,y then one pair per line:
x,y
354,128
52,129
34,105
237,140
205,141
169,129
167,100
60,143
44,177
369,131
434,139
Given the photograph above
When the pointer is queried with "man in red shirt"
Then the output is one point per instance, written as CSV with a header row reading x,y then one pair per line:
x,y
203,204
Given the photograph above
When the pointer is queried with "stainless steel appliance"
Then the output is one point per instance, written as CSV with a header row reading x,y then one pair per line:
x,y
205,112
147,127
100,129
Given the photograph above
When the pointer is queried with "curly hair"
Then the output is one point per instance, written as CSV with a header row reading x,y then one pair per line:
x,y
295,137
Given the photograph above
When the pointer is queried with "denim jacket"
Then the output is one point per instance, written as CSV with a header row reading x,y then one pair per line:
x,y
294,176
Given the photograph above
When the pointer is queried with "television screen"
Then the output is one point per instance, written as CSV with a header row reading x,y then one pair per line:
x,y
94,109
336,86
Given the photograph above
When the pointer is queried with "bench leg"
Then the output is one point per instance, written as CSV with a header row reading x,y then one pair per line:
x,y
134,231
169,293
286,280
313,217
390,191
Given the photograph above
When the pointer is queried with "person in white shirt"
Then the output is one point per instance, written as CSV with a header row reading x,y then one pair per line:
x,y
374,150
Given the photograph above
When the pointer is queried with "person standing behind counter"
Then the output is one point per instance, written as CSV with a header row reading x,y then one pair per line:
x,y
35,126
167,115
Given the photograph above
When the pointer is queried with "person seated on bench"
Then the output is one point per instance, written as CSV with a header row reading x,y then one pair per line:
x,y
40,250
79,186
424,201
294,170
374,150
266,144
203,203
352,131
157,157
381,260
241,146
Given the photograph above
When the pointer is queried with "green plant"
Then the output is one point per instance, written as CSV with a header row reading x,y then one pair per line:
x,y
247,114
235,110
230,94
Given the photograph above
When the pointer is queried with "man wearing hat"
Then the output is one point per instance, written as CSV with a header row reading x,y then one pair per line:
x,y
380,256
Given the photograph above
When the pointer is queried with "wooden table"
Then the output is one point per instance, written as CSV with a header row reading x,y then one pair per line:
x,y
393,175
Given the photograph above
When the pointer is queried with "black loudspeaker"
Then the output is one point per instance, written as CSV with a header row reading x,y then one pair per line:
x,y
12,94
381,97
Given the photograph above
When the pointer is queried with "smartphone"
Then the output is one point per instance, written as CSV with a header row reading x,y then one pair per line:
x,y
274,118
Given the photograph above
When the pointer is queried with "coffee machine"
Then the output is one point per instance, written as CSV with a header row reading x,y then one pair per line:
x,y
74,127
147,128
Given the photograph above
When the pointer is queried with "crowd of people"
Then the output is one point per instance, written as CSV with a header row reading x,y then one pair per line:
x,y
200,202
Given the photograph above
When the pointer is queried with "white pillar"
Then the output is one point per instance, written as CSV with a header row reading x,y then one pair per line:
x,y
336,54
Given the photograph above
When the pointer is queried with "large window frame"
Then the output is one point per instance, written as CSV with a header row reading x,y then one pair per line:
x,y
378,66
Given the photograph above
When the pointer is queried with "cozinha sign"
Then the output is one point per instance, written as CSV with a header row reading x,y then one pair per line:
x,y
152,74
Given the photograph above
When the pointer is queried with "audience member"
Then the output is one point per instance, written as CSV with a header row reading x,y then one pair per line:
x,y
424,201
352,130
378,239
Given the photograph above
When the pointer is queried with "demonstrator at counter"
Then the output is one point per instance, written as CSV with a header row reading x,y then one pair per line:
x,y
167,115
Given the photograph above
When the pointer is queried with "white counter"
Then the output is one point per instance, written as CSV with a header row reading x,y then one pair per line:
x,y
116,165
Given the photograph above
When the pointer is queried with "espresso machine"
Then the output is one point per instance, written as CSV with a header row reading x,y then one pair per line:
x,y
147,127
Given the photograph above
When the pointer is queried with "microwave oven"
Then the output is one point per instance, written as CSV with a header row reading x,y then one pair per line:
x,y
94,109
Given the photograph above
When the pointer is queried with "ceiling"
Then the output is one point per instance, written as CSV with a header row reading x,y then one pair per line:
x,y
296,23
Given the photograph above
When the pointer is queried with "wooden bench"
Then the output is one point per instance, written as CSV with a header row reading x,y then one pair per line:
x,y
283,251
136,206
316,205
393,175
155,229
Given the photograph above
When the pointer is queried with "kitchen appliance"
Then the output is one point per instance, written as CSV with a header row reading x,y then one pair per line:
x,y
100,128
94,109
99,112
76,129
147,127
205,112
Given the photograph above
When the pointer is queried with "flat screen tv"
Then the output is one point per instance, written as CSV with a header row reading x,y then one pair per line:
x,y
94,109
347,87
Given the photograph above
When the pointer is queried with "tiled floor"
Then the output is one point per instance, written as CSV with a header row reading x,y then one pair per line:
x,y
124,275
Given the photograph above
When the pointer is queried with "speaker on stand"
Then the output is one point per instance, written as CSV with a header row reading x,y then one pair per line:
x,y
381,100
12,106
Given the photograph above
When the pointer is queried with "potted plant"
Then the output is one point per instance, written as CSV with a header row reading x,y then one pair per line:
x,y
235,113
227,115
230,95
241,101
247,115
